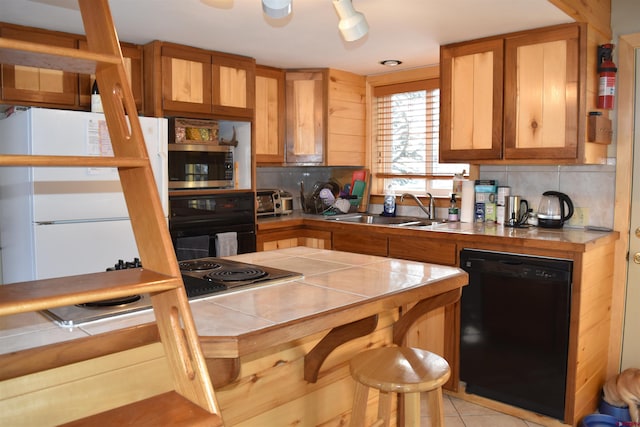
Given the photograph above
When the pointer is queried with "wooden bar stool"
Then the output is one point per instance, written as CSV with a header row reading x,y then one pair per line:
x,y
399,370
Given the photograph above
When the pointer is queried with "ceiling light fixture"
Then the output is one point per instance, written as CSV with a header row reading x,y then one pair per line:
x,y
276,8
391,62
352,25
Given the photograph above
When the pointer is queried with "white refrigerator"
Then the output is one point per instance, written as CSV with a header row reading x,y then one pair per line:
x,y
64,221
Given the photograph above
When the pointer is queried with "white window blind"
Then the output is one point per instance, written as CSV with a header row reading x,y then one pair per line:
x,y
407,122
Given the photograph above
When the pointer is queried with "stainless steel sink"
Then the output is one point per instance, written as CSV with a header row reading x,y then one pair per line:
x,y
401,221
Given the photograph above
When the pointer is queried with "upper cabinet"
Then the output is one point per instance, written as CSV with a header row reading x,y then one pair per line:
x,y
269,118
516,98
192,82
57,89
39,86
325,117
132,59
306,116
233,85
471,101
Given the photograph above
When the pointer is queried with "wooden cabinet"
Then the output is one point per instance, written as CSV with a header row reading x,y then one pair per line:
x,y
293,237
58,89
233,85
132,58
517,97
269,117
361,242
471,101
187,81
39,86
423,250
305,116
541,93
177,80
325,117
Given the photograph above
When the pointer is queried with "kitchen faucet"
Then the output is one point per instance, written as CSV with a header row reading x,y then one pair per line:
x,y
430,212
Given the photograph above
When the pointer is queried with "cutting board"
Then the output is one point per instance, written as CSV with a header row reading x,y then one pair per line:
x,y
360,184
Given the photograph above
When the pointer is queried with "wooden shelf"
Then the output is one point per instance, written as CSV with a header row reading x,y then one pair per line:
x,y
42,294
72,161
19,52
167,409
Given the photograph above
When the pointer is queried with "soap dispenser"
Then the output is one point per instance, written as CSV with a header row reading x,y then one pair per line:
x,y
453,209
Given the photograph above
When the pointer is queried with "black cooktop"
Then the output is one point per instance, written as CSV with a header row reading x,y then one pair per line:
x,y
202,277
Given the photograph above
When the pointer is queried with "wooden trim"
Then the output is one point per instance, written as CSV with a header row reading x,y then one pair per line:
x,y
627,46
336,337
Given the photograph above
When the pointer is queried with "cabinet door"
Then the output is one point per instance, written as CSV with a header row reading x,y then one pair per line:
x,y
269,119
39,86
233,85
354,241
132,56
542,86
186,80
423,250
305,107
346,118
471,101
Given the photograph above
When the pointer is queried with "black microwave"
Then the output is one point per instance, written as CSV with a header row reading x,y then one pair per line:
x,y
200,166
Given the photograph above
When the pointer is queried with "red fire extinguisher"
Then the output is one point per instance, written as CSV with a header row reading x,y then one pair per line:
x,y
607,76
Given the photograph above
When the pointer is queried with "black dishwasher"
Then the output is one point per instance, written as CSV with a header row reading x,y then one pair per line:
x,y
515,329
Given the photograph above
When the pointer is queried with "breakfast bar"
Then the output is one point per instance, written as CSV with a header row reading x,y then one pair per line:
x,y
277,354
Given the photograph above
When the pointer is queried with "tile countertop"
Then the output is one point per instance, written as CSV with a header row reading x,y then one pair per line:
x,y
463,230
333,282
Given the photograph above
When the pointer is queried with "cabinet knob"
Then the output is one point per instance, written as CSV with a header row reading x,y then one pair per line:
x,y
636,257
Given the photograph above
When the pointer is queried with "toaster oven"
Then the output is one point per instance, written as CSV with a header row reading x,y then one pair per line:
x,y
273,202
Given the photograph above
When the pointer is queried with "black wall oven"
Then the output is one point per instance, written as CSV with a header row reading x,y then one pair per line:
x,y
195,220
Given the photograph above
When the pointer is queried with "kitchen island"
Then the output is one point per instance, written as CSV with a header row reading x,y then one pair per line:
x,y
596,301
278,355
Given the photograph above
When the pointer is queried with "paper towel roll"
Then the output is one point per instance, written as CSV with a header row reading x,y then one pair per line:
x,y
467,207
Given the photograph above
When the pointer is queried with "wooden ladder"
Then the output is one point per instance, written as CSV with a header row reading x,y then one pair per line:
x,y
192,401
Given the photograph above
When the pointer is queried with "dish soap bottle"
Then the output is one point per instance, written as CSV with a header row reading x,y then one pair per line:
x,y
96,101
389,202
453,209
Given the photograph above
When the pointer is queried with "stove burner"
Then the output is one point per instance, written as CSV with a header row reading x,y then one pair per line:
x,y
236,274
198,265
111,302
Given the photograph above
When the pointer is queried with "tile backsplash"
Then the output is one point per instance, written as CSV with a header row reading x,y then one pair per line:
x,y
590,187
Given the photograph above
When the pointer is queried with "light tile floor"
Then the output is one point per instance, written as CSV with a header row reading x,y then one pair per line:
x,y
460,413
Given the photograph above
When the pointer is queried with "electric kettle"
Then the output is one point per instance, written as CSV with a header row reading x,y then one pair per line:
x,y
552,212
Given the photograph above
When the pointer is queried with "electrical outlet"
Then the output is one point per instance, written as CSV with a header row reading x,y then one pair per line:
x,y
580,217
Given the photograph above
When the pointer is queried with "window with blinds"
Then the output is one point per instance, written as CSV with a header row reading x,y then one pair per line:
x,y
407,122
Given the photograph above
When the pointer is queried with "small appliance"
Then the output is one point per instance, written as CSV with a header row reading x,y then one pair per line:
x,y
516,211
555,208
273,202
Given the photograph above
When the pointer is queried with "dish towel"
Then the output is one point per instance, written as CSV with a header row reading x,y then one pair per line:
x,y
227,244
192,247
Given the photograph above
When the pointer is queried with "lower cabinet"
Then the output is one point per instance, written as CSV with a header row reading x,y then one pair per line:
x,y
403,247
423,250
289,238
369,244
